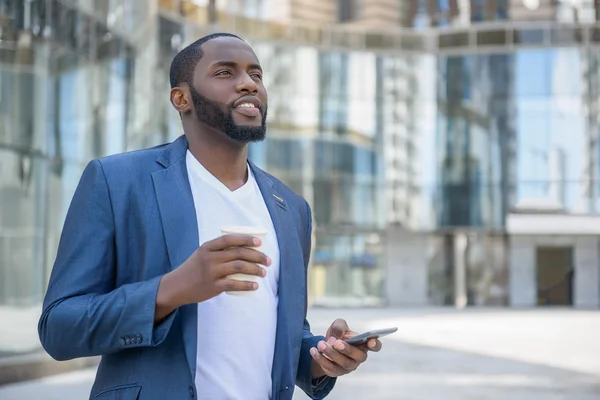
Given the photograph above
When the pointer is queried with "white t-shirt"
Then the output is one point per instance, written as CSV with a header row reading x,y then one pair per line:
x,y
236,334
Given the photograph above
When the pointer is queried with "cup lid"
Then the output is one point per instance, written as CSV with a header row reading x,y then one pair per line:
x,y
244,230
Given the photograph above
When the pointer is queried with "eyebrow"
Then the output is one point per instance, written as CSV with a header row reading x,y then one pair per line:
x,y
232,64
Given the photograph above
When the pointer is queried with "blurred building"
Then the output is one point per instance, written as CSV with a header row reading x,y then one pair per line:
x,y
449,148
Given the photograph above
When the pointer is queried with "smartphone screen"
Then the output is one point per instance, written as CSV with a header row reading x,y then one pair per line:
x,y
363,338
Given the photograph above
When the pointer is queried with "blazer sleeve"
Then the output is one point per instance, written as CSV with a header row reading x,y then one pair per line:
x,y
314,388
83,313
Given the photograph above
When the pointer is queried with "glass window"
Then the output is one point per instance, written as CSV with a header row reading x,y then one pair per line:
x,y
568,139
39,17
552,152
347,10
22,97
492,38
566,36
333,79
422,17
323,207
566,63
347,269
533,73
533,140
479,10
23,192
449,40
455,79
59,107
444,15
502,8
501,76
535,37
285,154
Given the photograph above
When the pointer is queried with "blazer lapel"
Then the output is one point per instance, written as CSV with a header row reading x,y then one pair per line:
x,y
180,228
291,281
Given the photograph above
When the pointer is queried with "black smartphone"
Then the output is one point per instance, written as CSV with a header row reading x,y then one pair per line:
x,y
363,338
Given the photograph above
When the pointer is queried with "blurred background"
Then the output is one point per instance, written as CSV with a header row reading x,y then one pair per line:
x,y
449,150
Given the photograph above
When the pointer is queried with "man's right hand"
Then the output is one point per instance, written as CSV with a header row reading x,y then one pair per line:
x,y
204,274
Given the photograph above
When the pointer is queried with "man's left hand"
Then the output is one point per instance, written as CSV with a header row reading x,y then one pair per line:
x,y
336,357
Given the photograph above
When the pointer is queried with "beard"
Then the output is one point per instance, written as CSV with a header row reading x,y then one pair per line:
x,y
209,112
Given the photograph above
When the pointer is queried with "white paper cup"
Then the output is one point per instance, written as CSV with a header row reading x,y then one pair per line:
x,y
254,231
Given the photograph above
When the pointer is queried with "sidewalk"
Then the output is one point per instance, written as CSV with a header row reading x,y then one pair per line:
x,y
440,354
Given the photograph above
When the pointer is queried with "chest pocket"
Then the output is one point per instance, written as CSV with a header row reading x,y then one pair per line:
x,y
123,392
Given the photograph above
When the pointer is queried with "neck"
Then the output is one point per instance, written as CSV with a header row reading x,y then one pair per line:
x,y
222,156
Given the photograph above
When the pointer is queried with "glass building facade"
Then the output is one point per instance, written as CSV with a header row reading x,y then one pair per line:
x,y
64,94
428,132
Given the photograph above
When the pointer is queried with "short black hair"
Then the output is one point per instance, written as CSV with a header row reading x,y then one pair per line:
x,y
182,66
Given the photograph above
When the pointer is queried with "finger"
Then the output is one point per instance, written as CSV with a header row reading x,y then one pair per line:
x,y
374,345
239,267
348,364
231,285
330,368
357,354
243,253
349,334
233,240
338,329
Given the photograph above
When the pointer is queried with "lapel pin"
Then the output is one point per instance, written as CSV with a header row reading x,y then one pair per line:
x,y
278,198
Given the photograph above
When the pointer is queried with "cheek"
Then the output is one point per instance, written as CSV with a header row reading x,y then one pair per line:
x,y
263,98
219,91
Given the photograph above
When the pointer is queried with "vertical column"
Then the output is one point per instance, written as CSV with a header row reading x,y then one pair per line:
x,y
317,277
432,13
586,283
453,11
460,270
491,10
408,12
522,272
407,266
212,13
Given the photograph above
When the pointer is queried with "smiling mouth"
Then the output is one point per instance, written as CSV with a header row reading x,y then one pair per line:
x,y
247,109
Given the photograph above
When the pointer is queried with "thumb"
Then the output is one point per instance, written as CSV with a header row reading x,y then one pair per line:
x,y
338,329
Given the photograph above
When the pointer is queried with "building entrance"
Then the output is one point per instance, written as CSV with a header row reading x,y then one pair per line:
x,y
555,272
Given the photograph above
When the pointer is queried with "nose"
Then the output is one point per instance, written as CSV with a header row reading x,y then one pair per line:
x,y
247,85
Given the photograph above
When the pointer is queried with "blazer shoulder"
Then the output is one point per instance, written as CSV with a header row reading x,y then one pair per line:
x,y
132,161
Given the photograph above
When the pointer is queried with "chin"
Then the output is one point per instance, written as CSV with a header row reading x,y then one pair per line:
x,y
247,133
251,124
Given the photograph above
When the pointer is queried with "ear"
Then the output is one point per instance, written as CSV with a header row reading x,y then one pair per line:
x,y
180,99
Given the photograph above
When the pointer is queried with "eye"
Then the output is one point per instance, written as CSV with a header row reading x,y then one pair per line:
x,y
256,76
223,73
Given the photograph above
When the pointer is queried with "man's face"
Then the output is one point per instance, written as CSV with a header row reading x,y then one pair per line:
x,y
228,93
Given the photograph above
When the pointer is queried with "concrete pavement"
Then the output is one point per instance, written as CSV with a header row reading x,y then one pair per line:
x,y
440,354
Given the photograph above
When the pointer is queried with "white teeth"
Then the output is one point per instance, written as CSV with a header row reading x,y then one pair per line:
x,y
246,105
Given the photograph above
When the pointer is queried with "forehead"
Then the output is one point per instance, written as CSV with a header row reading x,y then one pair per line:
x,y
227,49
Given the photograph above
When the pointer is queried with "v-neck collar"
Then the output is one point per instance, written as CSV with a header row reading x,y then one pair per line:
x,y
201,172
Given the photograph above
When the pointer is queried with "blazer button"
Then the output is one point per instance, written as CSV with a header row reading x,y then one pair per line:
x,y
128,340
139,338
191,389
122,341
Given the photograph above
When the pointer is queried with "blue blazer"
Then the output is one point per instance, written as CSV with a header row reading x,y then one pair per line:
x,y
132,220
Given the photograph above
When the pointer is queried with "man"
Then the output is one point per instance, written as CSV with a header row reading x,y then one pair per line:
x,y
142,265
